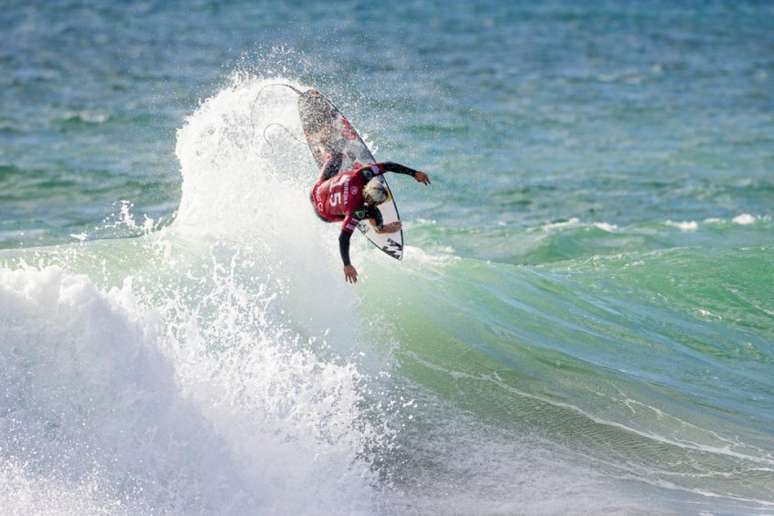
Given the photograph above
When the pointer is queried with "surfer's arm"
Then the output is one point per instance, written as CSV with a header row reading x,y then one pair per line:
x,y
378,169
350,273
344,247
389,166
347,227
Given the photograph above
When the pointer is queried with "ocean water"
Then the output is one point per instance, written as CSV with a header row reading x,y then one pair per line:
x,y
583,321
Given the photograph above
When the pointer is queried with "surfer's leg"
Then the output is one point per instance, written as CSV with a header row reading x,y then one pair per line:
x,y
332,166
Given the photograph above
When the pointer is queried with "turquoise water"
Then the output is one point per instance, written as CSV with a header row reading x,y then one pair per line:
x,y
583,322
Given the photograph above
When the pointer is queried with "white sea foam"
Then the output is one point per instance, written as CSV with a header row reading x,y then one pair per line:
x,y
604,226
684,226
744,219
198,385
166,409
22,492
246,191
575,222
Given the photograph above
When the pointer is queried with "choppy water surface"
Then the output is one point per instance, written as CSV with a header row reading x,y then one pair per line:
x,y
584,321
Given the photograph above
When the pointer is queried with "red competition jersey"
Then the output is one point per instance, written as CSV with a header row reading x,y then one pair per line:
x,y
336,199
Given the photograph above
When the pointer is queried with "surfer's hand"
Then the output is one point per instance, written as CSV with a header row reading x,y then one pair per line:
x,y
392,227
421,177
350,274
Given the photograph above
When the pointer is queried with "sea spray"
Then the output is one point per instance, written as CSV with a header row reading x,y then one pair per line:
x,y
208,401
214,376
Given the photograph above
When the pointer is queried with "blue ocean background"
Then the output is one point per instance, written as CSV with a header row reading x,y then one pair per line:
x,y
583,321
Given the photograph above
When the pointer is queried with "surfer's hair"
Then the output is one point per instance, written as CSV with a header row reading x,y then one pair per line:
x,y
375,192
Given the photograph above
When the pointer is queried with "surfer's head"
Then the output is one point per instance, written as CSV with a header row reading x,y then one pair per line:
x,y
375,192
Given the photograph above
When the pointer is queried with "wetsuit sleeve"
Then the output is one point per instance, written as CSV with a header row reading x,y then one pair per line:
x,y
347,227
350,223
377,169
344,247
370,171
389,166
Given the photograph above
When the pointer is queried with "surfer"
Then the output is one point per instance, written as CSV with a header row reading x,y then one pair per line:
x,y
351,196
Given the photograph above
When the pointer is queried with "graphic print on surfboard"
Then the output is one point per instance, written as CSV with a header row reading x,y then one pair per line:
x,y
327,131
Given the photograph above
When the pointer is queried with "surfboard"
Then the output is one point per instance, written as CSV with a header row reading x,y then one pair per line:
x,y
327,130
